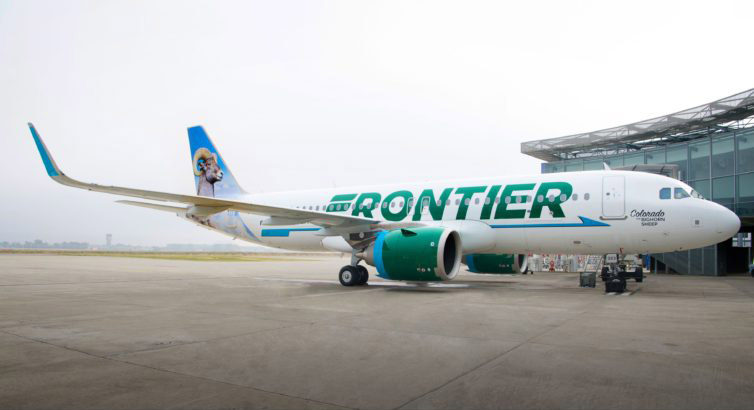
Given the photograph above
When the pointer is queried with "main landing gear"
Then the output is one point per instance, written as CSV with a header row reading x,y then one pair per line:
x,y
353,275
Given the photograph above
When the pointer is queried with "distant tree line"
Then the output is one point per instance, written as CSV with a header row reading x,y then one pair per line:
x,y
40,244
172,247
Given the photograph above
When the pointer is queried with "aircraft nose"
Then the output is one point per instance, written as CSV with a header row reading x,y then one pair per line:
x,y
728,223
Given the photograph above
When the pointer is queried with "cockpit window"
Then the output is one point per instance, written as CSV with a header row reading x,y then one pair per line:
x,y
665,193
695,194
680,193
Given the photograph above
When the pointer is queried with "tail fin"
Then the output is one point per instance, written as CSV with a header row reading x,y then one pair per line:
x,y
211,174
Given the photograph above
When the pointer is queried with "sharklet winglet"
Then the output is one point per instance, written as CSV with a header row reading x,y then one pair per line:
x,y
49,163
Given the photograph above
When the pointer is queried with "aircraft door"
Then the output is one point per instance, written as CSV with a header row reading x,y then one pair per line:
x,y
614,197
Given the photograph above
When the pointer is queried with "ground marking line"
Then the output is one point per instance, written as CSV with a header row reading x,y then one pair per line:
x,y
588,310
173,372
112,355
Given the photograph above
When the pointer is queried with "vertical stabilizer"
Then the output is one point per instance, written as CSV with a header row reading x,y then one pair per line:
x,y
211,174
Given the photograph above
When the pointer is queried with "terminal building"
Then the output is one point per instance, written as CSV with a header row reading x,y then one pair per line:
x,y
710,147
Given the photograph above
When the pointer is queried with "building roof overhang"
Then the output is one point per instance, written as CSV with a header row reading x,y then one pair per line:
x,y
669,128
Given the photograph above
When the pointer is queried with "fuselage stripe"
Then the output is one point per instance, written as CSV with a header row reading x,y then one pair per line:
x,y
585,222
285,231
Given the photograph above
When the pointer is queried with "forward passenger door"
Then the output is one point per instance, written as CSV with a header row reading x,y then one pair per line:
x,y
614,197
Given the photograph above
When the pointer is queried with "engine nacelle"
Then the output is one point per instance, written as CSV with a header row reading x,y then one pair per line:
x,y
426,254
496,263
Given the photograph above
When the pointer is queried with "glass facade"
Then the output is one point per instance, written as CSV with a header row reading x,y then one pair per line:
x,y
719,166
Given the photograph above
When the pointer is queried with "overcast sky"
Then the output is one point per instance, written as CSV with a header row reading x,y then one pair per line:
x,y
308,94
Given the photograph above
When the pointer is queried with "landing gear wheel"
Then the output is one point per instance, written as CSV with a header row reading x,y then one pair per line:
x,y
363,275
349,276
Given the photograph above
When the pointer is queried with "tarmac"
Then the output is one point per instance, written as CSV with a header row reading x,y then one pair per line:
x,y
127,333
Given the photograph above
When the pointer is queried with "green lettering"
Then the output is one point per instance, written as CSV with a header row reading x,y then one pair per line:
x,y
489,202
361,208
467,193
563,188
388,214
502,211
427,198
343,200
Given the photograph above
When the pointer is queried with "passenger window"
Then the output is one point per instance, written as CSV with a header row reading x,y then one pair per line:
x,y
575,197
665,193
680,193
586,196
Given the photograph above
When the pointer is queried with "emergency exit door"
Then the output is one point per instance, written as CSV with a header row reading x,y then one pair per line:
x,y
614,197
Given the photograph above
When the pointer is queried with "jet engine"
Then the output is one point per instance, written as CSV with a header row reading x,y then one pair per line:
x,y
425,254
496,263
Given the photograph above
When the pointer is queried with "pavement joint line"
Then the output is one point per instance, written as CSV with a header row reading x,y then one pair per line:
x,y
641,352
173,372
112,355
487,362
146,307
241,315
408,332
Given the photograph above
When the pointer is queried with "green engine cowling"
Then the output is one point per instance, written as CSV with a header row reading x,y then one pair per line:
x,y
426,254
496,263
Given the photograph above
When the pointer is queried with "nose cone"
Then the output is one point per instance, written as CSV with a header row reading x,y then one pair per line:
x,y
727,223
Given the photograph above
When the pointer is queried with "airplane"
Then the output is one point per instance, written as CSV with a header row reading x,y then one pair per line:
x,y
422,232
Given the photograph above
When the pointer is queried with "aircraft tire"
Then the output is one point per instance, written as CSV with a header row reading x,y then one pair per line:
x,y
363,274
349,276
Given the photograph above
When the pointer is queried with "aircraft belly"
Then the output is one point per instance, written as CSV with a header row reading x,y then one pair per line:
x,y
512,240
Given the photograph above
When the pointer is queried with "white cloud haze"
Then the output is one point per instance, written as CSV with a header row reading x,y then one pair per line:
x,y
307,94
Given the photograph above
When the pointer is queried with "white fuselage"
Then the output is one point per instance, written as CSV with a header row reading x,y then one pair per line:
x,y
604,212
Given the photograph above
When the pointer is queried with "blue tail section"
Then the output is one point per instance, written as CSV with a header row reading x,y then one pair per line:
x,y
211,174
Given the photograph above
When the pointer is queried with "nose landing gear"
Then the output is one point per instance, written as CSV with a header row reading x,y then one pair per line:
x,y
615,276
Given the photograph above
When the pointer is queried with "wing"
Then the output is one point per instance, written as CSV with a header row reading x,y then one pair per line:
x,y
208,205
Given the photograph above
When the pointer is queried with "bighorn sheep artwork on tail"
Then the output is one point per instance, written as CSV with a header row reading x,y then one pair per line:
x,y
208,171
